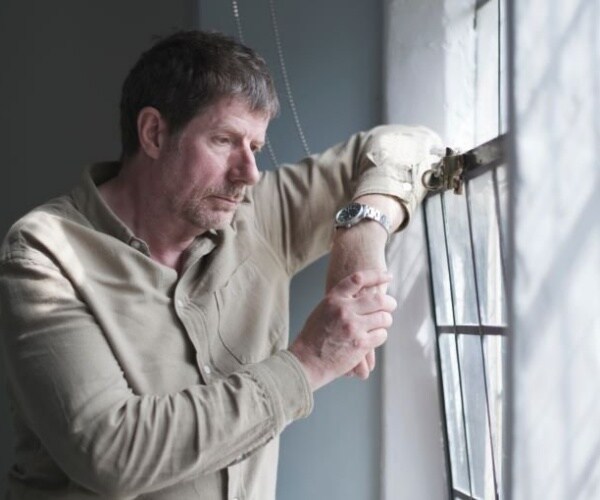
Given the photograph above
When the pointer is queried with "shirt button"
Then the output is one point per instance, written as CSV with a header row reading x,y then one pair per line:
x,y
179,303
137,244
206,369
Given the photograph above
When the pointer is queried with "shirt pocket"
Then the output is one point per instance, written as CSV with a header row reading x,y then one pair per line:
x,y
252,314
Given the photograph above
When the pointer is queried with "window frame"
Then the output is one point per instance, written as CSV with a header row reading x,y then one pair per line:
x,y
485,158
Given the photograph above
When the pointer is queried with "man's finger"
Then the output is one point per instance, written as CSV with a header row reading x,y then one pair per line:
x,y
376,338
367,304
370,359
362,369
352,284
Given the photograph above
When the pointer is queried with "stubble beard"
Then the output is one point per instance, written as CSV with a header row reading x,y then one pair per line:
x,y
198,211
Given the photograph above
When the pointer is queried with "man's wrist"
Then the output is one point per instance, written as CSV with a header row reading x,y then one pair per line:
x,y
358,248
314,376
389,205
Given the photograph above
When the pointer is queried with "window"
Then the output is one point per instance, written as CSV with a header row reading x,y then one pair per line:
x,y
467,248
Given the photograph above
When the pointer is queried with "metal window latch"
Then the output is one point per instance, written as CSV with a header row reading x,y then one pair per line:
x,y
455,168
447,174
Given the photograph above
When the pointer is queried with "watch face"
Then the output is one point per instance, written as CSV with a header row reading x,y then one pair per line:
x,y
347,214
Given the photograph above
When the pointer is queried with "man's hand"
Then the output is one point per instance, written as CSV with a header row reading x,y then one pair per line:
x,y
345,327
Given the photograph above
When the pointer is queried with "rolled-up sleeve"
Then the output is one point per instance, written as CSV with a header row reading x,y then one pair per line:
x,y
296,204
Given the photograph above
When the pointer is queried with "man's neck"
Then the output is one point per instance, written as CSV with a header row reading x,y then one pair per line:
x,y
140,209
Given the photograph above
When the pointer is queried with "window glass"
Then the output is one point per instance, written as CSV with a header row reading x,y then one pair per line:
x,y
495,357
486,247
479,441
461,262
454,413
487,100
439,262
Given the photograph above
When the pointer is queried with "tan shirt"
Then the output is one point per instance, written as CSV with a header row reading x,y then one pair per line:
x,y
128,380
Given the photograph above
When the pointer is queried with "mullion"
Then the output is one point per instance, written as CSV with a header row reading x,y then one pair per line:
x,y
458,359
483,357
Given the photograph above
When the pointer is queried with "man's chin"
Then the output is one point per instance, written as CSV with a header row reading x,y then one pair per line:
x,y
216,221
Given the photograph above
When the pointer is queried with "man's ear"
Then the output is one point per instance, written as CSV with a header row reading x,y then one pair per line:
x,y
152,131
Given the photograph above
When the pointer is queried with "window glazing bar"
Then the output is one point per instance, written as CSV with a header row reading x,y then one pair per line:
x,y
462,495
484,157
481,3
472,329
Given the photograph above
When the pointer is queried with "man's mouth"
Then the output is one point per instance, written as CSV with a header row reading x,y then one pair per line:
x,y
233,200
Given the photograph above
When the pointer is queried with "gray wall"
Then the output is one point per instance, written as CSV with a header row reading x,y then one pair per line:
x,y
333,55
63,66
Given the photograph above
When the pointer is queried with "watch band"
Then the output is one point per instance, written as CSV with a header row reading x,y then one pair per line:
x,y
378,216
355,212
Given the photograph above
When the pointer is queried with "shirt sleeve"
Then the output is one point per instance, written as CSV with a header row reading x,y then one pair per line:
x,y
295,205
71,392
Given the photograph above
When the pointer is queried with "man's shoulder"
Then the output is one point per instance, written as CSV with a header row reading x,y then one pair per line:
x,y
44,227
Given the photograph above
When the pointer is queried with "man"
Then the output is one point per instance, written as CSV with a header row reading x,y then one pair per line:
x,y
144,316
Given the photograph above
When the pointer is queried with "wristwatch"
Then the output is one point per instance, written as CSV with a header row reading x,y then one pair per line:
x,y
353,213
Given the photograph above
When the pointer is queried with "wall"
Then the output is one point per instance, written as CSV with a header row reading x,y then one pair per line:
x,y
333,53
63,64
555,111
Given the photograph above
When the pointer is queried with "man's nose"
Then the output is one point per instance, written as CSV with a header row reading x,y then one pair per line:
x,y
245,170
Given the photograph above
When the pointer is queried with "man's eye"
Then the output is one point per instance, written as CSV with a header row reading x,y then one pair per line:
x,y
223,140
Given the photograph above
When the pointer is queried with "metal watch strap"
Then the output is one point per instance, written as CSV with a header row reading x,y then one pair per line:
x,y
376,215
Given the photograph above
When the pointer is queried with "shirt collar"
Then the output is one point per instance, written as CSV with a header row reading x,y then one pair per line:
x,y
90,203
87,199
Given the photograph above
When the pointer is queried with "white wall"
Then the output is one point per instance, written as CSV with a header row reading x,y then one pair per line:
x,y
430,80
556,262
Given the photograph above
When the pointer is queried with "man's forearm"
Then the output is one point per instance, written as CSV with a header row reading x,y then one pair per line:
x,y
363,246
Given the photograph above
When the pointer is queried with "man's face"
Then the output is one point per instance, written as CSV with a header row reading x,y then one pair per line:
x,y
206,167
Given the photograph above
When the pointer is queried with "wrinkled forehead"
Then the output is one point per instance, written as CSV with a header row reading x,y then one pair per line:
x,y
235,115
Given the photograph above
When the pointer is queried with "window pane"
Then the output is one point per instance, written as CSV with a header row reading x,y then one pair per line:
x,y
503,70
461,263
501,179
454,412
495,359
487,65
478,436
486,243
439,262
